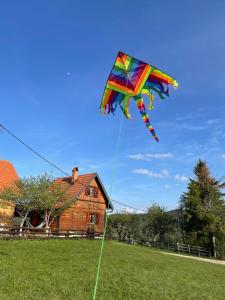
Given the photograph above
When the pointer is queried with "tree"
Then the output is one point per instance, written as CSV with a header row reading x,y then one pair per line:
x,y
109,228
118,223
203,207
23,195
125,226
134,226
38,193
158,222
154,225
52,198
130,224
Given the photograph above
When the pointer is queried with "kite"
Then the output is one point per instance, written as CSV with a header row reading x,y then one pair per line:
x,y
129,78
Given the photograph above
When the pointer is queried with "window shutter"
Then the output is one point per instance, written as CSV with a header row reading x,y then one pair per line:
x,y
95,192
87,191
97,219
87,217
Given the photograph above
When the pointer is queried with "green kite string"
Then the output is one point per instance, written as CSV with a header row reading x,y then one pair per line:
x,y
106,217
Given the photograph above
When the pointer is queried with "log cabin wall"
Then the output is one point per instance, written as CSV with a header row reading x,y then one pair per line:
x,y
8,176
86,209
7,210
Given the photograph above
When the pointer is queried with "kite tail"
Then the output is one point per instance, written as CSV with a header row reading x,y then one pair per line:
x,y
147,91
124,105
110,101
141,106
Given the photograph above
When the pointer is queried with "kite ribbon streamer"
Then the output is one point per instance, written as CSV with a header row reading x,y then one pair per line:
x,y
141,106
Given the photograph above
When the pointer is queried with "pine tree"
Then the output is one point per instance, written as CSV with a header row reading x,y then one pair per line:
x,y
203,208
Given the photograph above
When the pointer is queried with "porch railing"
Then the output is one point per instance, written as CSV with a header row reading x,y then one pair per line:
x,y
33,232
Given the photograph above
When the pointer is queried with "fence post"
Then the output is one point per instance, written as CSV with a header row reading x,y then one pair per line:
x,y
214,246
199,254
178,248
189,249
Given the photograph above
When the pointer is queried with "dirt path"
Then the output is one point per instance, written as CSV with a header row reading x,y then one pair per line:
x,y
213,261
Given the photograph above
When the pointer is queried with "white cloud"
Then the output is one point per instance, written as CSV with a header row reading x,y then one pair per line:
x,y
213,121
192,127
182,178
150,173
128,210
160,155
223,155
97,166
149,156
161,174
184,118
183,126
138,156
132,210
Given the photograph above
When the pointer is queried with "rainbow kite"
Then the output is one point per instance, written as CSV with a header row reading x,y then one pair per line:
x,y
129,78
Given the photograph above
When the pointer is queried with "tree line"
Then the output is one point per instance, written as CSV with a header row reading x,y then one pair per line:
x,y
199,219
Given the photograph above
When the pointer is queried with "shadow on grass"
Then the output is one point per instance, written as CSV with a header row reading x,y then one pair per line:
x,y
4,253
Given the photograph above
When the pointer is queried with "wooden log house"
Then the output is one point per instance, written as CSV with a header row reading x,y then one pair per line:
x,y
89,208
86,212
8,176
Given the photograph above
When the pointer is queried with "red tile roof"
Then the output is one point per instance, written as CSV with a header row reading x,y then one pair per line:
x,y
8,174
76,188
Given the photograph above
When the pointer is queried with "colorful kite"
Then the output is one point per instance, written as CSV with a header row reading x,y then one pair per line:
x,y
129,78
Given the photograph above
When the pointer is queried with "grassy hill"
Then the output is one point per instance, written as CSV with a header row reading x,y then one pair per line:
x,y
65,269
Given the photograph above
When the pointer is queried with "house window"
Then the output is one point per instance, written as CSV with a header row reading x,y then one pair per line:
x,y
94,218
92,191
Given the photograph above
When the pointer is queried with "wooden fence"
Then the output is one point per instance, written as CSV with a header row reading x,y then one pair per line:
x,y
193,250
43,233
180,248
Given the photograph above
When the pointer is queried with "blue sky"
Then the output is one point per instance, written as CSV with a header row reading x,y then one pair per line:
x,y
55,57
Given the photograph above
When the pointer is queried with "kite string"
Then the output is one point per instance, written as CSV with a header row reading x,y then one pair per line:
x,y
106,215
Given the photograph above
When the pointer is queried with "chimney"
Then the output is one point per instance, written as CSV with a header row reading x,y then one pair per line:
x,y
74,174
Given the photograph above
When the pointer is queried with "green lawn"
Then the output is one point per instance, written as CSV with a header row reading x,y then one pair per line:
x,y
65,269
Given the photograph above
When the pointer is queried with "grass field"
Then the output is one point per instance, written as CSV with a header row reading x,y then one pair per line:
x,y
65,269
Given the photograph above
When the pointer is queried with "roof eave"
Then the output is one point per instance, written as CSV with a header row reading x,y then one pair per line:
x,y
110,205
